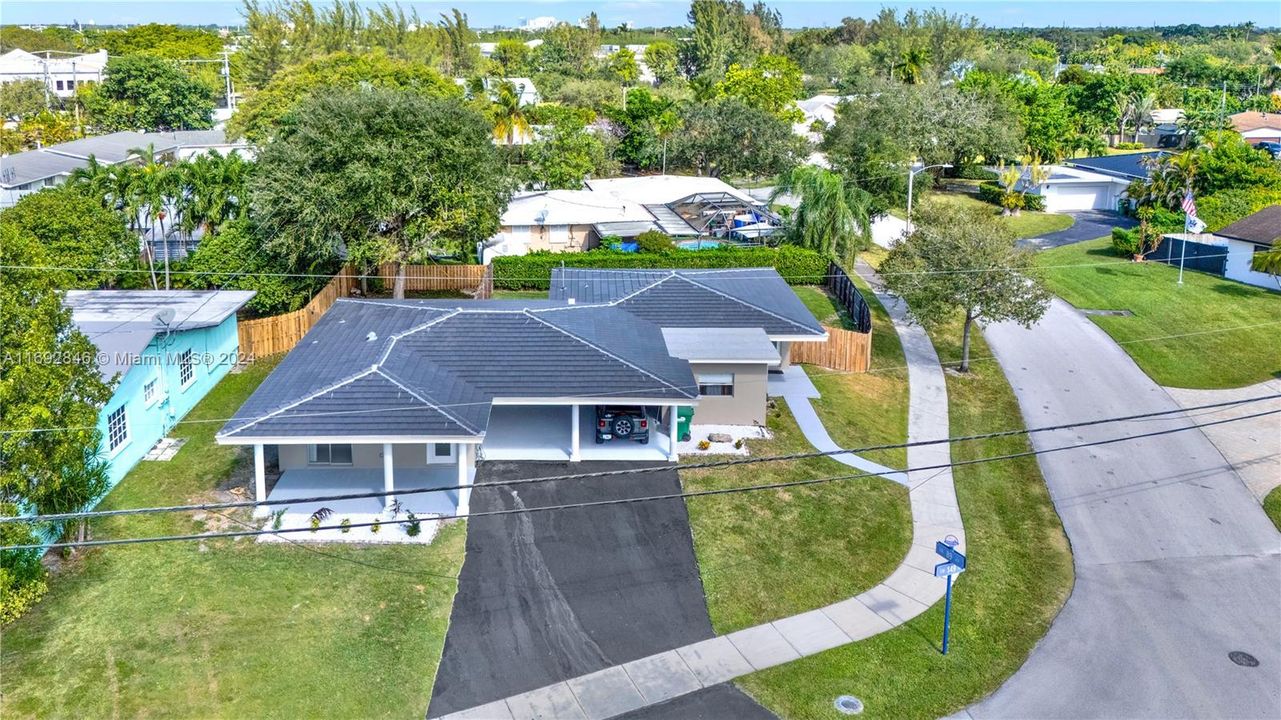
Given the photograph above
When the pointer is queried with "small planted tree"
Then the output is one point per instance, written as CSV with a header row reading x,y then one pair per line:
x,y
964,262
1011,199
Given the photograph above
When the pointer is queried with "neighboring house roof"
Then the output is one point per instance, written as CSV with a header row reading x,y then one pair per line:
x,y
1129,166
440,364
1065,175
121,323
1253,120
1261,228
33,165
216,137
572,207
1166,116
21,62
721,345
112,148
738,298
663,189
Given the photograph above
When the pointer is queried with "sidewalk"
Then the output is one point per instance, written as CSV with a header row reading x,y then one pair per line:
x,y
794,386
909,591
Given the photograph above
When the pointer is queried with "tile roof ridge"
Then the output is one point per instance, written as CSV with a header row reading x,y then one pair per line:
x,y
434,406
609,354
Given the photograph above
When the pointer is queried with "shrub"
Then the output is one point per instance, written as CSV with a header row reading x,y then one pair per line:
x,y
413,528
345,526
1130,146
704,444
1227,206
1125,242
652,241
975,172
991,192
799,266
378,525
22,577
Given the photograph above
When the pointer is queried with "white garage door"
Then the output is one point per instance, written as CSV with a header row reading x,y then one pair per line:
x,y
1078,197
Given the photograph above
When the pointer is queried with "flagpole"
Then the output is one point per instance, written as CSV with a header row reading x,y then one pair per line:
x,y
1183,247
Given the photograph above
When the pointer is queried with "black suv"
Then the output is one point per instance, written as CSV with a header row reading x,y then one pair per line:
x,y
621,423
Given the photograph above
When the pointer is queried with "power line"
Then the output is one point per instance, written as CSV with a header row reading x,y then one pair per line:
x,y
57,517
646,498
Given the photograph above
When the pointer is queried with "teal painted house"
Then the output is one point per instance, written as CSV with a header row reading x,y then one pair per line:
x,y
166,349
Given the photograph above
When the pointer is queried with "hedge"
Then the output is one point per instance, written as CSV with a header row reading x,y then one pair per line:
x,y
992,193
799,266
1227,206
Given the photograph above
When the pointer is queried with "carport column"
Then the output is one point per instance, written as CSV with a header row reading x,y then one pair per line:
x,y
672,435
464,453
388,484
260,481
573,433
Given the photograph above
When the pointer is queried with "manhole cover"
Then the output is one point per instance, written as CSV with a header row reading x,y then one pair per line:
x,y
849,705
1244,659
1109,313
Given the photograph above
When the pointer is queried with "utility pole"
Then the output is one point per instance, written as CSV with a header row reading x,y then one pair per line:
x,y
226,74
44,64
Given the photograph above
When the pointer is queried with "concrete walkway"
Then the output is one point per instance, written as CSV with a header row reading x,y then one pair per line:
x,y
1176,565
794,386
1253,446
909,591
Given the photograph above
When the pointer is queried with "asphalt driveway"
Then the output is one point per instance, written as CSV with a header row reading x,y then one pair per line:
x,y
1087,225
546,596
1176,564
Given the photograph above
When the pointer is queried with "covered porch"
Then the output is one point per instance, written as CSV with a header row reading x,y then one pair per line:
x,y
567,433
322,469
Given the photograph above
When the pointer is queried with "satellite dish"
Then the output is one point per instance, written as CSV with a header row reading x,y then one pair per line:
x,y
163,318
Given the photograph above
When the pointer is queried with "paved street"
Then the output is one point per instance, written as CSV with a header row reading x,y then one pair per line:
x,y
1176,564
1088,225
543,597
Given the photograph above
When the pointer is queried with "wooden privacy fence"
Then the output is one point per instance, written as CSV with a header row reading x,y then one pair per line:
x,y
277,334
436,277
847,350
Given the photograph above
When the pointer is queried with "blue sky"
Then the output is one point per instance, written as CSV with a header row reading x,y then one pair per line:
x,y
1014,13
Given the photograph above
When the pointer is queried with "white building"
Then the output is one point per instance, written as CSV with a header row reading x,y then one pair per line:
x,y
820,109
542,22
60,75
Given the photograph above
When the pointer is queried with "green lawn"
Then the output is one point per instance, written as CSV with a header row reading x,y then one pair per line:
x,y
769,554
520,294
229,629
862,409
1025,225
1020,575
1272,506
1209,333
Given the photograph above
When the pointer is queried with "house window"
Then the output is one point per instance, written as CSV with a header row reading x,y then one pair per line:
x,y
440,452
716,384
117,429
329,454
149,391
186,368
60,85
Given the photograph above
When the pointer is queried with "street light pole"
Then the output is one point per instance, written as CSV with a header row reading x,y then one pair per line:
x,y
911,175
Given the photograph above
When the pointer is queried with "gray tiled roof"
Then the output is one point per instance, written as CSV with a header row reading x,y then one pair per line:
x,y
742,298
112,148
1128,166
32,165
432,368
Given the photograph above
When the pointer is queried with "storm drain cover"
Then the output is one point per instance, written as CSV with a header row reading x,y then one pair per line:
x,y
1110,313
1244,659
849,705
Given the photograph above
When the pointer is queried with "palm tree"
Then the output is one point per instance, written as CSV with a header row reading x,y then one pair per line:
x,y
1142,107
510,118
1268,262
155,186
1124,109
834,218
912,65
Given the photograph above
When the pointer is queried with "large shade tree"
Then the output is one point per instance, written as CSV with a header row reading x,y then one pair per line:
x,y
143,92
728,137
379,176
964,263
77,233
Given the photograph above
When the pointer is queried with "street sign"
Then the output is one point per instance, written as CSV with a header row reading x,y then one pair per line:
x,y
946,569
949,553
946,549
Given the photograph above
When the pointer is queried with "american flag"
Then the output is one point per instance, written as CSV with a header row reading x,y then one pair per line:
x,y
1189,205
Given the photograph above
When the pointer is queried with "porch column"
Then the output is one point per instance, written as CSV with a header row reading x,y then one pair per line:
x,y
573,433
388,484
671,434
260,481
464,453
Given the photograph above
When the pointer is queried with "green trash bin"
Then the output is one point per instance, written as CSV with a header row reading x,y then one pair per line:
x,y
684,418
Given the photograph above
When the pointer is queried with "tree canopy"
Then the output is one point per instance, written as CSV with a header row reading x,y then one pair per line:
x,y
76,231
380,176
728,137
142,92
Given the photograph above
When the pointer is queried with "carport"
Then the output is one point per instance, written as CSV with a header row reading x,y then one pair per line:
x,y
560,433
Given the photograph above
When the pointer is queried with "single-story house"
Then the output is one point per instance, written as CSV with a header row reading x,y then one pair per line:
x,y
1093,183
60,74
732,326
684,207
525,88
1257,127
1228,252
819,110
387,395
165,349
32,170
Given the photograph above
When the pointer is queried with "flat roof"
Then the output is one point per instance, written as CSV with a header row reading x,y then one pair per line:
x,y
721,345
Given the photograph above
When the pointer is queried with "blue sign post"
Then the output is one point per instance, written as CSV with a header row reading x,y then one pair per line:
x,y
955,563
